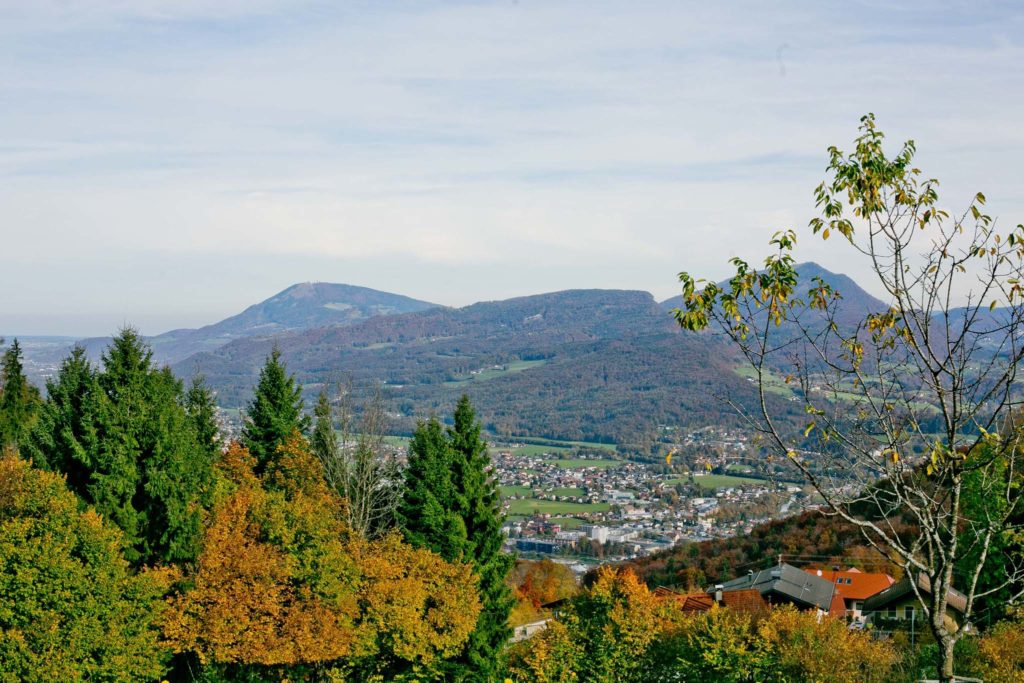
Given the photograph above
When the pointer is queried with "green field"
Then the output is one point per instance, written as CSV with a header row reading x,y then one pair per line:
x,y
722,481
773,384
491,373
507,491
567,491
528,506
568,522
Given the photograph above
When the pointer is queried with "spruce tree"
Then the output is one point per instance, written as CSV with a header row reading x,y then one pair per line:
x,y
129,448
480,510
202,412
324,440
274,413
19,400
428,513
65,438
451,505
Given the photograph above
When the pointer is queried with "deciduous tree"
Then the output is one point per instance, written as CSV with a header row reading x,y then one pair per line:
x,y
70,608
905,404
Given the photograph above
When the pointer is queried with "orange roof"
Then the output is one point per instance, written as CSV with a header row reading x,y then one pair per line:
x,y
747,600
853,584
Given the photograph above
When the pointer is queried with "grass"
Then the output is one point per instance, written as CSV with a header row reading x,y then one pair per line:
x,y
492,373
772,383
507,491
723,481
529,506
568,522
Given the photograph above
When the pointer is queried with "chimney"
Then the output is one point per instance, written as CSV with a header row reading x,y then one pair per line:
x,y
718,593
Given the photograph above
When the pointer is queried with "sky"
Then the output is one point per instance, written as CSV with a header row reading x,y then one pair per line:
x,y
166,164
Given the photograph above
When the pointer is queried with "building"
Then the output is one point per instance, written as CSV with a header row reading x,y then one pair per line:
x,y
785,585
899,602
749,600
853,587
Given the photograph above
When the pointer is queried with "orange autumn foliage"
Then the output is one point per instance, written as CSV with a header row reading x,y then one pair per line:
x,y
280,580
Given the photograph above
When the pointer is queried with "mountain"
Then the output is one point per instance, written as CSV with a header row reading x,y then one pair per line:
x,y
854,305
300,307
589,365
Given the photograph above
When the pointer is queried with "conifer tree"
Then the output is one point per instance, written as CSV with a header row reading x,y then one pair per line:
x,y
479,501
274,413
202,412
19,400
128,447
65,437
428,513
451,505
324,440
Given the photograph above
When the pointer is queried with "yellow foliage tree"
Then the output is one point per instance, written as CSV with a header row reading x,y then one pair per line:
x,y
281,583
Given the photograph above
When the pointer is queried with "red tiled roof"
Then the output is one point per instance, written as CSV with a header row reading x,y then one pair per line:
x,y
838,606
747,600
696,602
853,584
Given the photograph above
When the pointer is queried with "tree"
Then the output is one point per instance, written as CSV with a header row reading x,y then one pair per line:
x,y
282,588
70,608
904,404
19,400
202,412
128,447
357,465
275,411
426,513
478,503
65,438
450,504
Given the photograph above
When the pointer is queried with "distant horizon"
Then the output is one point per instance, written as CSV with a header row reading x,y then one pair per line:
x,y
147,333
164,162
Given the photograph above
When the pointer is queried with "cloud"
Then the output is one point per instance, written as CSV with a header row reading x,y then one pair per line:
x,y
582,143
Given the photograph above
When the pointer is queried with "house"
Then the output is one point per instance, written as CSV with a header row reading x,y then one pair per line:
x,y
785,585
899,602
740,600
853,587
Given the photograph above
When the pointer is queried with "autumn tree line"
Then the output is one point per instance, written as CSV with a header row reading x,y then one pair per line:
x,y
135,545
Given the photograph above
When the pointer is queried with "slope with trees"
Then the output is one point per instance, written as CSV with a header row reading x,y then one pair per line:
x,y
450,504
929,385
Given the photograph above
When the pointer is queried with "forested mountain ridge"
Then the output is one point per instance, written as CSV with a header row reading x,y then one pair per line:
x,y
593,365
301,306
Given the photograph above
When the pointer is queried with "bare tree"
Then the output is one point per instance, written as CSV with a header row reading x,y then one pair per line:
x,y
357,461
912,411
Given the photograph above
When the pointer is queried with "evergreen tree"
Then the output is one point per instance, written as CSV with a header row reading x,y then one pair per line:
x,y
451,505
428,512
480,510
324,440
65,438
202,412
19,400
274,413
129,447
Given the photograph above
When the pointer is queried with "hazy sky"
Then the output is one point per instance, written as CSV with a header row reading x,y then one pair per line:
x,y
169,163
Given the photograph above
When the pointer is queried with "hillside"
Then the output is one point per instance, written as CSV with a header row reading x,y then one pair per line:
x,y
299,307
592,365
855,303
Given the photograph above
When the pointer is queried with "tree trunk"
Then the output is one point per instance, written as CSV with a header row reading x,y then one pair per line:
x,y
946,646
